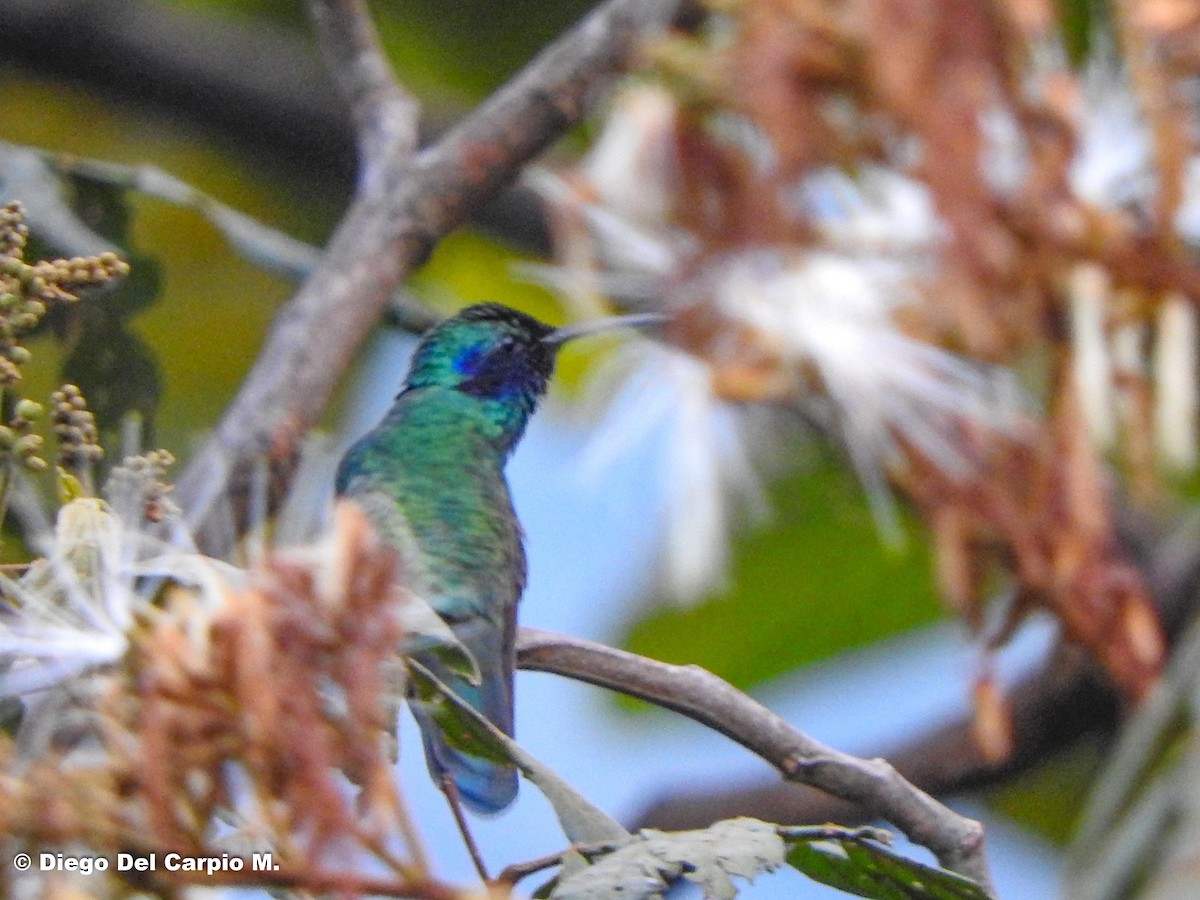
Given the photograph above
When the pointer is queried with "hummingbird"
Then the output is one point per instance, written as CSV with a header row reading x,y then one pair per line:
x,y
430,477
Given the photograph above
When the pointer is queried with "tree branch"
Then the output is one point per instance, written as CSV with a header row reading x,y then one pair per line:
x,y
1065,700
955,840
224,73
1060,703
384,113
386,233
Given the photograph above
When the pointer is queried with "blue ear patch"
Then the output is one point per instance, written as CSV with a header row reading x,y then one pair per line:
x,y
467,361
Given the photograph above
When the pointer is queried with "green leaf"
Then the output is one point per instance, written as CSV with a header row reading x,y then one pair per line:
x,y
863,868
102,207
654,860
116,370
1080,22
467,730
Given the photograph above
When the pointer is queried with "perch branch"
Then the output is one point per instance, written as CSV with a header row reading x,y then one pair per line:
x,y
1058,704
386,233
1061,702
955,840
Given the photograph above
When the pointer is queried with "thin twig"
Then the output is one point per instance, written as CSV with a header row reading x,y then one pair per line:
x,y
450,790
384,113
519,871
956,841
268,248
24,175
384,235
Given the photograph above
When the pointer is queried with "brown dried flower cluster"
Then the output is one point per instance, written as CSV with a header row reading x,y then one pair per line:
x,y
266,708
864,211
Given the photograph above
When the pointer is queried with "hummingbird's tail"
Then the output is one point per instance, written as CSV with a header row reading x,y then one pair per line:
x,y
484,785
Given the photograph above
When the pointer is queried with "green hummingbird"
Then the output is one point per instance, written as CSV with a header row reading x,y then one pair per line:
x,y
430,477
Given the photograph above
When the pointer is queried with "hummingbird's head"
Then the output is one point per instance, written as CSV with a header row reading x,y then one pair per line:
x,y
488,351
501,357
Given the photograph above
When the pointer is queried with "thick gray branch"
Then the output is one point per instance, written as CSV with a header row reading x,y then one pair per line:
x,y
698,694
387,232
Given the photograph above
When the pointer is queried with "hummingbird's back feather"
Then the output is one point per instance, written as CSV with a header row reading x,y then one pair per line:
x,y
460,548
430,477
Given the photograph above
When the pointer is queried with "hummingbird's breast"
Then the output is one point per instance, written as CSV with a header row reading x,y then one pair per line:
x,y
432,481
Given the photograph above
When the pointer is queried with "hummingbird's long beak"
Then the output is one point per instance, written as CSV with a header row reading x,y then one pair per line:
x,y
560,336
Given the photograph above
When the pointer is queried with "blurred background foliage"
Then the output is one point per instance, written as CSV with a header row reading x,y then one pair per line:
x,y
201,314
211,309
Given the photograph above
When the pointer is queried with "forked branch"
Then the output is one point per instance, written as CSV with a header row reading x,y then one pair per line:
x,y
407,204
957,842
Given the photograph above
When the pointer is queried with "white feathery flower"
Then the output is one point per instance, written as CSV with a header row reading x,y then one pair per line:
x,y
1129,362
620,243
1092,362
72,611
1176,365
1187,217
1005,163
1115,160
834,312
616,239
879,210
1115,169
603,255
1113,166
831,314
631,166
706,465
826,312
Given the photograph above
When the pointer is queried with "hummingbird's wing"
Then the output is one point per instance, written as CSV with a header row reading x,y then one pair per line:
x,y
460,549
484,785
